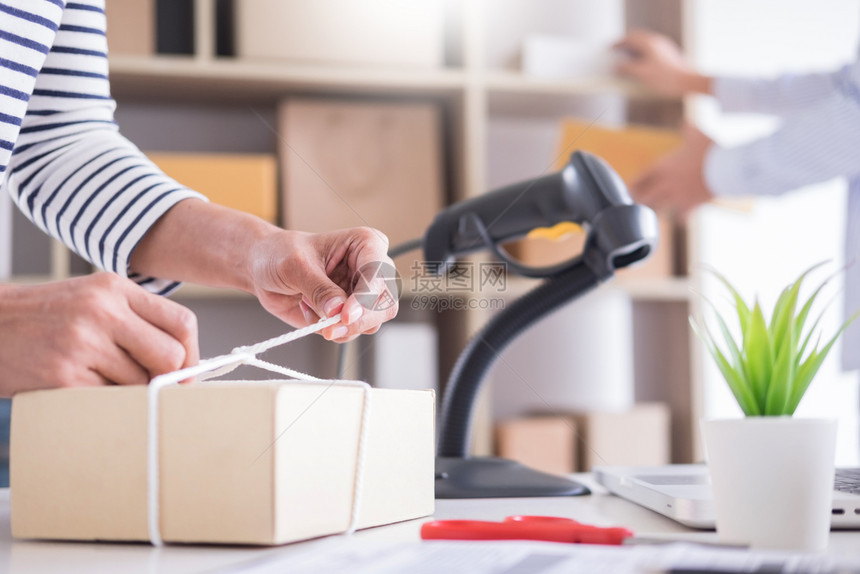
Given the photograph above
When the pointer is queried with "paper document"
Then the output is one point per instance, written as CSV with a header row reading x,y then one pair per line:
x,y
519,557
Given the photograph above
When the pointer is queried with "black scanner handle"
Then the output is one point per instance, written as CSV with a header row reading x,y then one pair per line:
x,y
586,191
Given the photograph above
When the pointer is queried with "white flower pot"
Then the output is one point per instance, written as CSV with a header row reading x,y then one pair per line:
x,y
772,480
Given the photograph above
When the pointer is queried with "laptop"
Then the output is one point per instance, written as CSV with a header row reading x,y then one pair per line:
x,y
683,493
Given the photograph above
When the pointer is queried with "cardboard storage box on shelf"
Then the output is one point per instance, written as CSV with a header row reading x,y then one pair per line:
x,y
240,463
546,443
639,436
370,32
630,151
130,27
247,182
351,164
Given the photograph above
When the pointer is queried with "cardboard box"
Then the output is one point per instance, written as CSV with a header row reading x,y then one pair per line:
x,y
247,182
370,32
240,463
353,164
544,443
130,27
636,437
630,151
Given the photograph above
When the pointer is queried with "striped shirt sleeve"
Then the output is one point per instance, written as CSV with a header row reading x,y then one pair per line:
x,y
71,171
814,144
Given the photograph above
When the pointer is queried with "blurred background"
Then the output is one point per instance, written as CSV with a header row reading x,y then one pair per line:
x,y
338,113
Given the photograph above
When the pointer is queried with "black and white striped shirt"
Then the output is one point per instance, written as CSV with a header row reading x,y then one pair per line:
x,y
62,157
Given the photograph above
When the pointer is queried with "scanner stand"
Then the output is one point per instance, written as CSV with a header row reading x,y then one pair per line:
x,y
586,191
490,477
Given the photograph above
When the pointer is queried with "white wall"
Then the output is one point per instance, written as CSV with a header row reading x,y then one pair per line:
x,y
763,249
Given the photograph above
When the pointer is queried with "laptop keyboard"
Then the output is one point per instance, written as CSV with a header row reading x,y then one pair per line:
x,y
848,480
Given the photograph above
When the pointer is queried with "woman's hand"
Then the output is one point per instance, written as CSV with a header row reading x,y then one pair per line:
x,y
89,331
302,277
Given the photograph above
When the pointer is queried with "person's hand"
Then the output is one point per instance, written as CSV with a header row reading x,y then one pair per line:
x,y
89,331
657,62
298,277
302,277
677,181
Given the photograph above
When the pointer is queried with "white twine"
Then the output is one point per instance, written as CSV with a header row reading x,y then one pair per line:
x,y
217,366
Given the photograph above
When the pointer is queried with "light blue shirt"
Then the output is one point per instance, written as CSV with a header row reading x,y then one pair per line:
x,y
818,140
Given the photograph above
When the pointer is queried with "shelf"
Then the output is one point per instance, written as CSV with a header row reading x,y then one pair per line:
x,y
187,291
670,289
513,94
186,77
660,289
511,82
28,279
194,291
179,77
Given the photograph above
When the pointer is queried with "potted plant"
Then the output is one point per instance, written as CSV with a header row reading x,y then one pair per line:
x,y
772,474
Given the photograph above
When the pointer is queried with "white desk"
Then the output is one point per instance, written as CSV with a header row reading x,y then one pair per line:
x,y
600,509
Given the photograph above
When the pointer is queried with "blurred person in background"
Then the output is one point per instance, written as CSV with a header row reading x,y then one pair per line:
x,y
818,140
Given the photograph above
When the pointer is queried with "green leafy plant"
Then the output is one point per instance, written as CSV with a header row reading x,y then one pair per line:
x,y
772,365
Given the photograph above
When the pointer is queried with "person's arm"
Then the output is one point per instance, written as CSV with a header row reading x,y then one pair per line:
x,y
95,329
297,276
784,95
77,178
80,180
71,172
810,147
658,63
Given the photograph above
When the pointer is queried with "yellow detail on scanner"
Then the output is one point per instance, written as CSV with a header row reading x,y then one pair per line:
x,y
556,232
